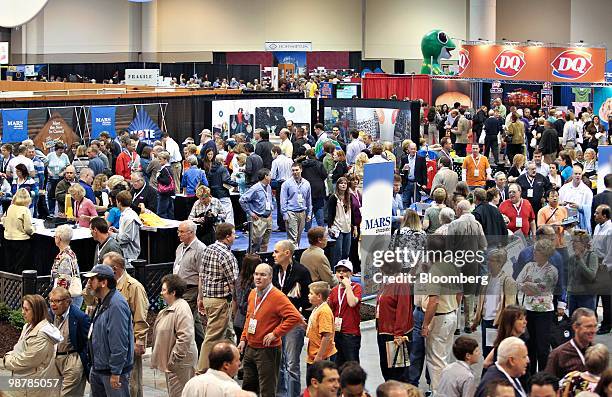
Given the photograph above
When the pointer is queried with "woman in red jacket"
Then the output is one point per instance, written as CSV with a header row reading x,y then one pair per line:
x,y
393,319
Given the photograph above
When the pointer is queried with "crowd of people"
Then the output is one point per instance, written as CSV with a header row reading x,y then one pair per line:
x,y
527,203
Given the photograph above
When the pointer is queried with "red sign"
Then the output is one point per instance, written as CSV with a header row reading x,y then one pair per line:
x,y
571,64
464,60
509,62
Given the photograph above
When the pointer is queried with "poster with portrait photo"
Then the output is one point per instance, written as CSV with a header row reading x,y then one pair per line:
x,y
241,123
270,119
604,166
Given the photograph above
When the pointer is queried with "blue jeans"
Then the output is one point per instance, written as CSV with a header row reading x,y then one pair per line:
x,y
165,206
348,347
417,349
319,216
576,301
101,387
341,249
408,194
484,324
289,376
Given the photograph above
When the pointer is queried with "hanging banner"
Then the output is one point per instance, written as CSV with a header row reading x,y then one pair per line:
x,y
102,119
602,103
537,63
288,46
376,214
326,89
14,125
56,130
143,126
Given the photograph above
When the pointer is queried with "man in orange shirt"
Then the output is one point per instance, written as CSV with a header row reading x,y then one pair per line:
x,y
476,169
270,315
553,215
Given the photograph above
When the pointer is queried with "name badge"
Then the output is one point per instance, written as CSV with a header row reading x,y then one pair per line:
x,y
268,207
530,193
338,324
300,199
306,343
519,221
252,326
476,172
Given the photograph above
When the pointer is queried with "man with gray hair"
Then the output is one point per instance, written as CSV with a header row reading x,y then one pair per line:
x,y
501,183
446,216
86,178
533,186
189,256
154,166
512,361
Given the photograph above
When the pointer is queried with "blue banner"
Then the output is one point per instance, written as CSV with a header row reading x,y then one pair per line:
x,y
144,127
297,58
602,104
14,125
102,119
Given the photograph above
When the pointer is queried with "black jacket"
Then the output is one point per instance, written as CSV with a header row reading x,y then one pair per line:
x,y
253,164
340,169
420,169
148,197
332,203
264,150
492,374
549,142
314,172
492,222
218,176
559,123
493,126
541,185
478,121
164,178
604,197
296,274
298,148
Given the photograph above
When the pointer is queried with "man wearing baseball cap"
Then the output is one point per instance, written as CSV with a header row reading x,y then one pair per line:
x,y
111,338
345,302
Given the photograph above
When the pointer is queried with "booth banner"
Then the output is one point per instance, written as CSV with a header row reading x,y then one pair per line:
x,y
376,214
296,58
102,119
55,130
533,63
604,166
451,91
14,125
602,103
326,89
143,126
231,117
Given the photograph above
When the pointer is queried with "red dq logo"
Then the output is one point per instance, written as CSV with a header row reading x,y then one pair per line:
x,y
509,62
464,60
571,64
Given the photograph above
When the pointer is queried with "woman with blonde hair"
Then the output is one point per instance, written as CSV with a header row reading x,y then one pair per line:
x,y
18,230
206,212
33,356
115,180
518,164
410,235
84,209
431,220
101,192
388,153
360,161
81,160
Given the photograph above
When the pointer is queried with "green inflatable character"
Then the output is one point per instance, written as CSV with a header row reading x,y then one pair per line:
x,y
435,45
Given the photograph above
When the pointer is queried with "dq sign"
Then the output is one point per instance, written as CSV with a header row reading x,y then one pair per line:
x,y
464,60
509,62
571,64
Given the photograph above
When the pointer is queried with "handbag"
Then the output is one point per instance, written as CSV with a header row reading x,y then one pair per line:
x,y
533,143
169,188
481,139
76,288
398,356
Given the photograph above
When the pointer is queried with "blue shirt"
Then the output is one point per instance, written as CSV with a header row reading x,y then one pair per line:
x,y
556,260
114,214
397,206
89,193
191,178
97,165
257,200
295,197
39,167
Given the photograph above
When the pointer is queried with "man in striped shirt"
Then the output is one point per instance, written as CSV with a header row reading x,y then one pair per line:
x,y
218,274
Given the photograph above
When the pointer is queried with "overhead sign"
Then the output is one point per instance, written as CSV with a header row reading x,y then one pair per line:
x,y
102,119
148,77
532,63
143,126
288,46
4,52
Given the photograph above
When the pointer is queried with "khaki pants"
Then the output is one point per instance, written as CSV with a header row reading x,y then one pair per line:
x,y
261,370
295,224
217,319
260,231
177,379
176,174
70,369
438,345
136,377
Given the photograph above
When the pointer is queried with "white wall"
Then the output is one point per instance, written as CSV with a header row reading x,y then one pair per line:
x,y
590,22
245,25
539,20
394,28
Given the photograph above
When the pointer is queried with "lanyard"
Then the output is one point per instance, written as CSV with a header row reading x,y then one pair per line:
x,y
517,386
578,351
140,192
185,248
281,282
316,309
263,298
265,191
476,163
341,299
518,210
530,182
99,248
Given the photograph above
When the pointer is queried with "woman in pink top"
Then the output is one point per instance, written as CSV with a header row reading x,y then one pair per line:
x,y
84,209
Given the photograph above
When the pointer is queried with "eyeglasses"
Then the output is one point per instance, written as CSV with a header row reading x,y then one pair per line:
x,y
56,301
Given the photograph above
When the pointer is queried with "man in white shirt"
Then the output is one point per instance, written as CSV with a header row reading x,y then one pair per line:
x,y
577,197
541,167
354,148
175,159
281,171
286,145
20,159
224,362
602,246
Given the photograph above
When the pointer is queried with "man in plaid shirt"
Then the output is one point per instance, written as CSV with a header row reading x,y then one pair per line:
x,y
218,274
